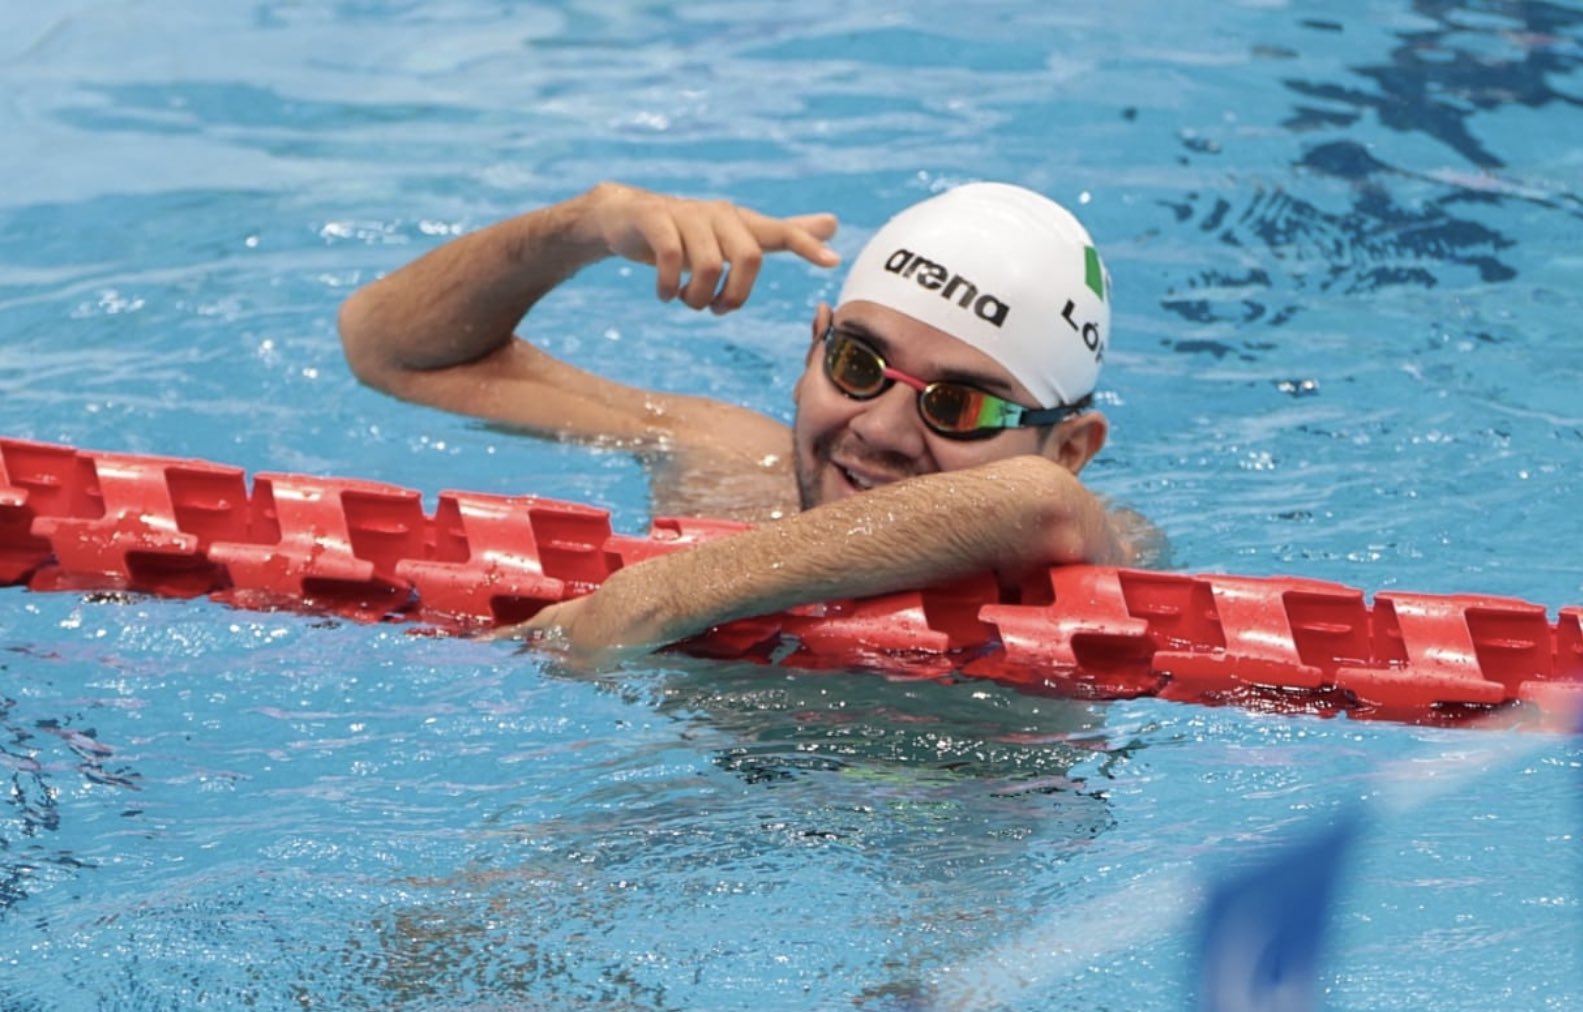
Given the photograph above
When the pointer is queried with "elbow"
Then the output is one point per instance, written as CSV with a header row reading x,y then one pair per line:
x,y
1056,512
360,344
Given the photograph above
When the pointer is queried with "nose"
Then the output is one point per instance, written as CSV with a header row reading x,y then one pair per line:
x,y
890,422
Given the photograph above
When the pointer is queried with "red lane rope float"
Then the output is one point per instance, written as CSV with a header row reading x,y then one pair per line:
x,y
79,520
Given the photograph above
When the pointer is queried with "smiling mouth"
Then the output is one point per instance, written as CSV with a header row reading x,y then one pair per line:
x,y
862,471
864,481
856,481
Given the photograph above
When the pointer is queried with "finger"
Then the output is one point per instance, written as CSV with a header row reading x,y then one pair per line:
x,y
545,621
516,631
803,235
821,226
704,259
742,252
658,229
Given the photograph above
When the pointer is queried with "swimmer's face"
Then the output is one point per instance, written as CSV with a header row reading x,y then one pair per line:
x,y
844,446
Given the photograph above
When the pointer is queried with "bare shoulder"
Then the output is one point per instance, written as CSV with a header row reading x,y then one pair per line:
x,y
691,486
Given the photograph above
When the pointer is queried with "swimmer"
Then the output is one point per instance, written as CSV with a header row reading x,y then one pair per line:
x,y
943,417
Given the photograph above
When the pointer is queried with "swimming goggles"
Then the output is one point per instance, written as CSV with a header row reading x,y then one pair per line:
x,y
954,410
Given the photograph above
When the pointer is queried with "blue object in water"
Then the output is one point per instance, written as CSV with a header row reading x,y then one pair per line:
x,y
1263,927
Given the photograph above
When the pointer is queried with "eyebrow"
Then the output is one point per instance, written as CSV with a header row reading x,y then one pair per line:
x,y
989,384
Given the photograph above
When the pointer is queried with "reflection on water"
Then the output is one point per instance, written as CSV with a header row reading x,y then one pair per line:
x,y
1442,76
1399,226
1297,248
45,761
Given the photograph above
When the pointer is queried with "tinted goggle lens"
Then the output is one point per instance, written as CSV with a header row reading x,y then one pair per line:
x,y
857,370
957,409
951,409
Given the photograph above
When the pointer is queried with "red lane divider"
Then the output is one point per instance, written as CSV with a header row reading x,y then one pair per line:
x,y
75,520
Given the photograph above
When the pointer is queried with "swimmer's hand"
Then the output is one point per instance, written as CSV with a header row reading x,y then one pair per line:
x,y
615,623
705,252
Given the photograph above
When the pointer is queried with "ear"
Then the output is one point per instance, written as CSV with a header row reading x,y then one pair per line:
x,y
821,323
1077,440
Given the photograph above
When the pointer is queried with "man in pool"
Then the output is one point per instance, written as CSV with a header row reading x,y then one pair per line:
x,y
942,419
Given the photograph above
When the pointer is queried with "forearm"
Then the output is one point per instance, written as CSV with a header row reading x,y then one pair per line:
x,y
1003,517
1006,517
462,301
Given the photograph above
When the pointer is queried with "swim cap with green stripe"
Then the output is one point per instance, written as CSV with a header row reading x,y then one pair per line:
x,y
1005,269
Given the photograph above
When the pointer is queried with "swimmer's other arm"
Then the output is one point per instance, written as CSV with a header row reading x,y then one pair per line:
x,y
1009,516
440,330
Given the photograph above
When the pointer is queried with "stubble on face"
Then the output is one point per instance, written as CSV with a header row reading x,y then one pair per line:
x,y
813,468
807,466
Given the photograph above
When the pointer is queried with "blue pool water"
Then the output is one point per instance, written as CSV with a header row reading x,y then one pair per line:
x,y
1344,244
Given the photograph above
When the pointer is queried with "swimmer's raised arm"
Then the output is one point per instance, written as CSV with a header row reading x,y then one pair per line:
x,y
441,330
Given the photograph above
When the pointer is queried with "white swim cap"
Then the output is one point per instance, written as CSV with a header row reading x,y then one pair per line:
x,y
1005,269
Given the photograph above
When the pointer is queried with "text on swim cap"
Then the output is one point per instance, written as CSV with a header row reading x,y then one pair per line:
x,y
1088,329
952,287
